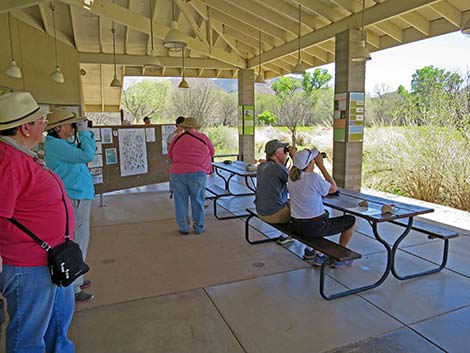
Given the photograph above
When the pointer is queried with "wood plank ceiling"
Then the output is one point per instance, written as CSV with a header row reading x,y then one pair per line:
x,y
223,35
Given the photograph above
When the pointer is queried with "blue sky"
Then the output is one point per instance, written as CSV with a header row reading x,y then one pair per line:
x,y
395,66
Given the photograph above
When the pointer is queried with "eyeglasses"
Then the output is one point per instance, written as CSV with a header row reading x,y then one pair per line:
x,y
286,149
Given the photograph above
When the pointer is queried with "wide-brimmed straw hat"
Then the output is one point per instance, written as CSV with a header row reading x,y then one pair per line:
x,y
18,108
60,116
190,122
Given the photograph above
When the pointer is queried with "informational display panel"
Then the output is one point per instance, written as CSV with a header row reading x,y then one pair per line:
x,y
348,122
129,156
246,120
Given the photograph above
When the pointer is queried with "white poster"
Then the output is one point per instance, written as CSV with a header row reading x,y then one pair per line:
x,y
150,134
96,162
132,151
99,149
167,130
96,133
106,135
97,175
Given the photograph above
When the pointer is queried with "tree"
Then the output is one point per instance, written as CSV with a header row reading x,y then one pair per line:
x,y
437,97
199,101
296,99
291,106
267,117
228,108
146,98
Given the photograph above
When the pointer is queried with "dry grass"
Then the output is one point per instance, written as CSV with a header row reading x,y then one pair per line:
x,y
426,163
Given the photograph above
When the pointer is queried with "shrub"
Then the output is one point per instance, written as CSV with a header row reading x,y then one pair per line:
x,y
426,163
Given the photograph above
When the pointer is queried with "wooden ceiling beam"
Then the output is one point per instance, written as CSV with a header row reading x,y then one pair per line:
x,y
374,14
243,28
141,60
185,10
448,11
265,13
328,13
8,5
219,29
417,21
248,19
141,23
309,22
391,30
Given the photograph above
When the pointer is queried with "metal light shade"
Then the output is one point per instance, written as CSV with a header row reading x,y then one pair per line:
x,y
299,68
183,83
115,82
362,53
466,28
174,39
57,75
260,78
13,70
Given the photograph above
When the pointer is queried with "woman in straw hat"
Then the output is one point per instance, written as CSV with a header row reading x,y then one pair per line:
x,y
40,312
191,153
69,160
306,189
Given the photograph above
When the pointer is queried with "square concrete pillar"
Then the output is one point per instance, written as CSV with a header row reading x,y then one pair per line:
x,y
246,119
349,77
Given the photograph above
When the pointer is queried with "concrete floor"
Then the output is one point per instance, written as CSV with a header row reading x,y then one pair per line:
x,y
158,291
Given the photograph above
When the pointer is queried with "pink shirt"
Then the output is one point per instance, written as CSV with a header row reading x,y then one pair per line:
x,y
191,154
32,195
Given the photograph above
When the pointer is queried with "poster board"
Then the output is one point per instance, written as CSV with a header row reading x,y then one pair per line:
x,y
139,148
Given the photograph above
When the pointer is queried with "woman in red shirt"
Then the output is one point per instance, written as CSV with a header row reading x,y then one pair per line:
x,y
191,153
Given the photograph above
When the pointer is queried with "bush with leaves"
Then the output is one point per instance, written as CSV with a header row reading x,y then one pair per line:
x,y
423,162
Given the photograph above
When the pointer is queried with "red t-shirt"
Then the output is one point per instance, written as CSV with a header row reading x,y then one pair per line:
x,y
191,154
32,195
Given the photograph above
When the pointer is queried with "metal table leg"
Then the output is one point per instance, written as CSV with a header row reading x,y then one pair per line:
x,y
417,274
363,288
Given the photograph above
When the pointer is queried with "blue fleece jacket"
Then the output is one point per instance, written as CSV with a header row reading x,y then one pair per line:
x,y
70,162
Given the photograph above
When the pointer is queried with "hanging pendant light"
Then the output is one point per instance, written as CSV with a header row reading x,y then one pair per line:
x,y
362,53
183,83
56,75
259,78
300,67
12,70
115,82
174,39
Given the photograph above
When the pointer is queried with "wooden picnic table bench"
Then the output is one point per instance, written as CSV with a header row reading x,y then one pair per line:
x,y
333,250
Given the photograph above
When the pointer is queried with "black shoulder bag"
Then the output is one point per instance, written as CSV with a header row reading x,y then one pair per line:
x,y
65,260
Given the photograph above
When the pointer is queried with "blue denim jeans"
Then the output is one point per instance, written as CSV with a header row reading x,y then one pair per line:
x,y
40,312
190,186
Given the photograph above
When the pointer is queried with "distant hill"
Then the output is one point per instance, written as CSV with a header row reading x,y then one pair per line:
x,y
227,85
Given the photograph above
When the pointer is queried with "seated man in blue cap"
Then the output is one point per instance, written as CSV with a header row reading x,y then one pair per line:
x,y
272,201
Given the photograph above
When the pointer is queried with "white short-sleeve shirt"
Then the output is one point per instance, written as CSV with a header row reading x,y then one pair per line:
x,y
306,195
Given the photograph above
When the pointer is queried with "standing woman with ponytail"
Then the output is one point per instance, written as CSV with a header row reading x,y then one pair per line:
x,y
309,217
69,160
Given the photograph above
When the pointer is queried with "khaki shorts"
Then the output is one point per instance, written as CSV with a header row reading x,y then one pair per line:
x,y
281,216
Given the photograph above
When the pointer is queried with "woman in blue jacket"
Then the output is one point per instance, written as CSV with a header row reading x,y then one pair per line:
x,y
69,158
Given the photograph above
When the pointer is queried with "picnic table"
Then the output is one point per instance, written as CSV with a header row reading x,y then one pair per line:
x,y
402,214
236,168
226,171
